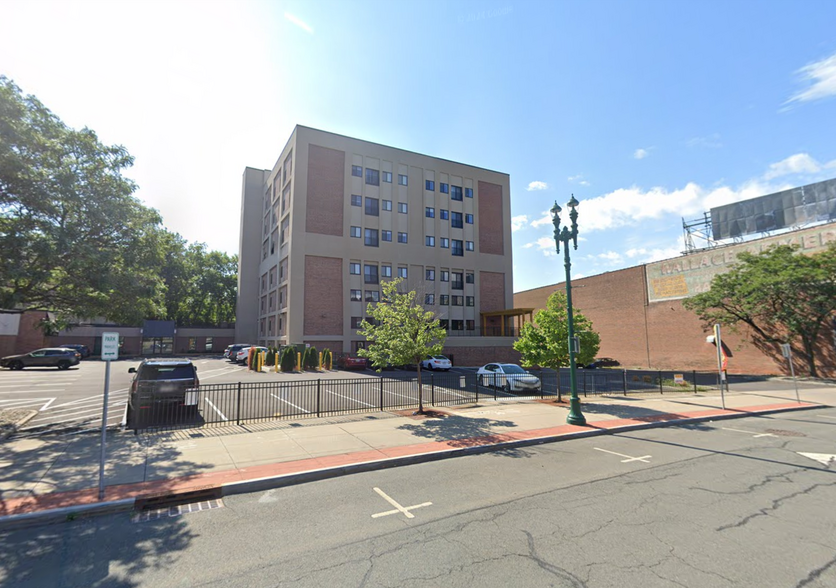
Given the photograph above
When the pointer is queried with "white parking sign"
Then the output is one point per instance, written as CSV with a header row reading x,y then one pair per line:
x,y
110,346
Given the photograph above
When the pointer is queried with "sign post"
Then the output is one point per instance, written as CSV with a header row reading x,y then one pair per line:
x,y
110,351
720,367
786,351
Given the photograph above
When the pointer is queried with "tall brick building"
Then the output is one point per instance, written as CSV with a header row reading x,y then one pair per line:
x,y
337,216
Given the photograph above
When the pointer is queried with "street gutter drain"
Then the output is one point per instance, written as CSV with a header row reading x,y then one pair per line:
x,y
151,509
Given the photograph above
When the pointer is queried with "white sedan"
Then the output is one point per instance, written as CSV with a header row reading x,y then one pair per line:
x,y
437,362
244,353
509,376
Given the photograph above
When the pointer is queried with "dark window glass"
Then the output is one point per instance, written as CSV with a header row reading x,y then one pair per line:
x,y
386,235
387,177
458,248
443,214
455,192
443,323
402,207
430,275
354,268
401,237
458,301
386,270
470,300
445,300
429,212
469,245
370,274
402,180
371,238
468,193
430,241
429,299
355,232
387,205
445,243
429,185
356,296
357,171
468,218
402,272
468,277
372,296
356,200
456,220
458,325
371,206
356,322
372,177
457,281
470,324
445,188
445,276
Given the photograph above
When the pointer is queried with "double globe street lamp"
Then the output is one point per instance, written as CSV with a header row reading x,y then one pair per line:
x,y
575,415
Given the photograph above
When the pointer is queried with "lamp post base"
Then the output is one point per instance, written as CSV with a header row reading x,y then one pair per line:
x,y
575,415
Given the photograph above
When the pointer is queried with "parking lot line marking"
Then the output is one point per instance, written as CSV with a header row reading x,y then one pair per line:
x,y
642,459
401,395
398,507
350,398
45,406
123,391
752,433
30,391
290,403
209,402
827,416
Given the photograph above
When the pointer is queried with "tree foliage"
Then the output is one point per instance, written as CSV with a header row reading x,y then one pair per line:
x,y
75,240
403,332
781,295
546,341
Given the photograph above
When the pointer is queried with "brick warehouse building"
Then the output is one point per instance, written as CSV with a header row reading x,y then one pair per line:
x,y
639,314
336,216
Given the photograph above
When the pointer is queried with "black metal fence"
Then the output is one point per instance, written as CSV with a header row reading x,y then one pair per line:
x,y
242,403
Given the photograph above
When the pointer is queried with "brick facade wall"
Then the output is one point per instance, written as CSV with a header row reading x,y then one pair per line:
x,y
29,336
479,356
491,215
491,291
326,192
323,296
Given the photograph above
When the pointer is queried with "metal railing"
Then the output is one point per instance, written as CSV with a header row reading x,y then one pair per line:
x,y
241,403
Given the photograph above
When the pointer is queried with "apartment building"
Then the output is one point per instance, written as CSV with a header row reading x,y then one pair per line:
x,y
337,216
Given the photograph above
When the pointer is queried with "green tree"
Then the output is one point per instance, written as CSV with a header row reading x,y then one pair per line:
x,y
781,295
74,239
403,332
546,341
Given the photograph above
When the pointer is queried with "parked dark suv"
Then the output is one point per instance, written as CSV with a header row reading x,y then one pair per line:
x,y
162,390
48,357
82,349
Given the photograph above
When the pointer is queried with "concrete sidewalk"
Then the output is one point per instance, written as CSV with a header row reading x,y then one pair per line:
x,y
50,478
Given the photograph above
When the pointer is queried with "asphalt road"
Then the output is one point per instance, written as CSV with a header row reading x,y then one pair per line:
x,y
734,503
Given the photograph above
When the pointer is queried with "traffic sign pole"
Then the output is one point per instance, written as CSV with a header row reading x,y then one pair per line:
x,y
786,350
719,343
110,351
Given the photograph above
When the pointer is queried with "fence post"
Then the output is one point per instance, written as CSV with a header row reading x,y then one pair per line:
x,y
542,392
661,390
432,389
318,396
238,411
478,383
494,386
584,383
625,381
381,392
695,381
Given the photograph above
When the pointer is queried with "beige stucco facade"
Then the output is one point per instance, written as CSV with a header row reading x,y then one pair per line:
x,y
310,223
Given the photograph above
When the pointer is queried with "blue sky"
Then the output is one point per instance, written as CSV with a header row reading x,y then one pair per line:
x,y
646,111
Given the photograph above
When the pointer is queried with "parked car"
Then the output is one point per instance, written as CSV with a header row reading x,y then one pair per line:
x,y
508,376
232,351
351,362
58,357
244,353
82,349
437,362
160,388
600,363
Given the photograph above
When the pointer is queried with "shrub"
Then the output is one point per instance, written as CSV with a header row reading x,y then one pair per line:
x,y
288,361
311,358
326,358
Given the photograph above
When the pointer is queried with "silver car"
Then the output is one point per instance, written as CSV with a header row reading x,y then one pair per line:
x,y
508,376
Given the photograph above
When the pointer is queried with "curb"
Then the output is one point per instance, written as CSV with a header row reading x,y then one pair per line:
x,y
13,428
284,480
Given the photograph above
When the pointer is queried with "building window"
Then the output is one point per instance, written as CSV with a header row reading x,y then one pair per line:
x,y
468,277
354,268
356,200
455,192
402,181
468,218
401,237
386,235
402,272
445,188
356,322
430,241
192,344
386,270
468,245
456,220
356,296
470,324
372,296
470,300
429,185
430,274
445,243
429,299
370,274
443,214
445,276
444,300
357,171
458,248
468,192
370,239
387,205
457,281
387,177
458,301
371,207
372,177
429,212
402,207
209,343
443,323
355,232
458,325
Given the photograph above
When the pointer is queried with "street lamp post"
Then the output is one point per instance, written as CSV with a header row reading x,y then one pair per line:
x,y
575,415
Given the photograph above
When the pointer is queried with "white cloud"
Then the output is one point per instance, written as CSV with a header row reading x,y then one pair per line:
x,y
546,219
534,186
640,153
610,256
299,22
800,163
518,222
711,142
544,244
579,179
821,76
